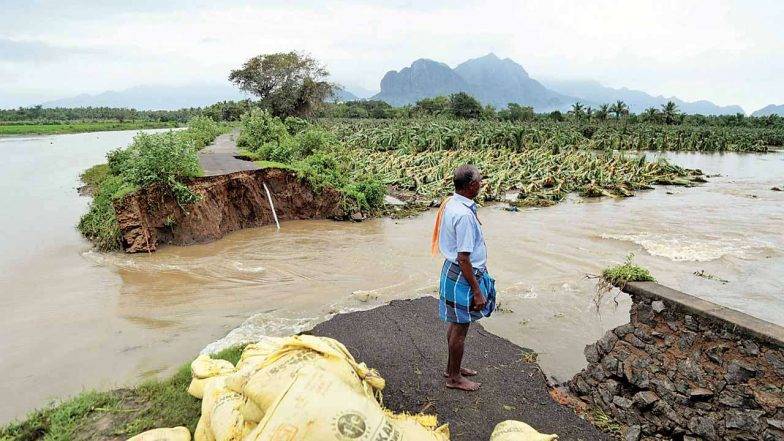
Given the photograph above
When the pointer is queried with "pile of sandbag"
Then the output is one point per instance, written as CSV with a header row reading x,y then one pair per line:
x,y
298,388
304,388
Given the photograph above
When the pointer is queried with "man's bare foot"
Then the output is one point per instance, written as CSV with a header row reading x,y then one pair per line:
x,y
464,372
462,383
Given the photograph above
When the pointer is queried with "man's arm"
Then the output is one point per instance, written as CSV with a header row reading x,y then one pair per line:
x,y
464,260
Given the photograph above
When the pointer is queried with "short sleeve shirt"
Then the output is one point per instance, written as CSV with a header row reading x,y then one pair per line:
x,y
462,232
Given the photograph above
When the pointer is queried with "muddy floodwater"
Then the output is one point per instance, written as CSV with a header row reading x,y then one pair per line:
x,y
76,319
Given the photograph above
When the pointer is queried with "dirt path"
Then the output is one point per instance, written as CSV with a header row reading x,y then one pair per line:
x,y
219,158
405,341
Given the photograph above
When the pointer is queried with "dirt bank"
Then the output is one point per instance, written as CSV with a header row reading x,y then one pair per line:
x,y
151,216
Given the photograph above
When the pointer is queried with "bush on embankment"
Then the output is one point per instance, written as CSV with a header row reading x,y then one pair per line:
x,y
161,158
313,153
118,413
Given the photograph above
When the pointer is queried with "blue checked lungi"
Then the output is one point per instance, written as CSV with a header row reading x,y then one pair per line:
x,y
454,304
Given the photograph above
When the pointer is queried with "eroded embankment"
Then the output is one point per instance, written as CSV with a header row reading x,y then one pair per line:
x,y
152,216
685,368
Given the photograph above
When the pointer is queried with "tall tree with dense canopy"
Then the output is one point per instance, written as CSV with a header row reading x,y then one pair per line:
x,y
287,83
670,112
619,109
465,106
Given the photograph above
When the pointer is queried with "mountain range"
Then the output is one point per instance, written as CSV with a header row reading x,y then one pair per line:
x,y
492,80
771,109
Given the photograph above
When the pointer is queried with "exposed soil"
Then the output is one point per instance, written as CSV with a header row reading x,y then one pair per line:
x,y
406,342
227,203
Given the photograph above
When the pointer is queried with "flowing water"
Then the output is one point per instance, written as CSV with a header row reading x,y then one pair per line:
x,y
74,318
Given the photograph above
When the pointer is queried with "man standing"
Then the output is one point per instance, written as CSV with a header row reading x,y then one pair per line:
x,y
467,292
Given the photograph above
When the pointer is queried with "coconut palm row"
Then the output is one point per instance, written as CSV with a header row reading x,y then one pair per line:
x,y
418,135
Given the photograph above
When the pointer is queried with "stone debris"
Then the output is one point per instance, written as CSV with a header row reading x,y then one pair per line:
x,y
671,375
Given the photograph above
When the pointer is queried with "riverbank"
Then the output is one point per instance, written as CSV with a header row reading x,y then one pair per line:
x,y
80,127
402,340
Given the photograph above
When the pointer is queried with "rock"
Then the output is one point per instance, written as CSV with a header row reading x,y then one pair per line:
x,y
742,419
634,341
645,398
691,323
700,393
645,314
512,208
776,189
591,353
703,426
657,306
776,359
716,354
607,343
778,424
622,330
391,200
687,340
633,433
773,435
731,398
739,372
748,347
623,403
357,217
769,398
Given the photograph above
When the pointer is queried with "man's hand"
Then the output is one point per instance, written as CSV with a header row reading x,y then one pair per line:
x,y
478,302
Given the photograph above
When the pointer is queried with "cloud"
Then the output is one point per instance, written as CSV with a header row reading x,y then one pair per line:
x,y
727,51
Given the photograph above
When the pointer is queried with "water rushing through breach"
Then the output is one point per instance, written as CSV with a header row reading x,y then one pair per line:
x,y
74,318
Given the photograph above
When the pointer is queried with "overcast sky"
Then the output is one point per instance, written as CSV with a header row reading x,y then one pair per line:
x,y
729,52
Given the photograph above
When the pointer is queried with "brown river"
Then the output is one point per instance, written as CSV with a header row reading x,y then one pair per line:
x,y
74,319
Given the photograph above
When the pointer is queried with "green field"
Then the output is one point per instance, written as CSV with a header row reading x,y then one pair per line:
x,y
79,127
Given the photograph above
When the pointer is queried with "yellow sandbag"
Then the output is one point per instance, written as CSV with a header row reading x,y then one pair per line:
x,y
226,421
250,411
164,434
203,432
260,350
205,367
270,379
196,388
511,430
317,405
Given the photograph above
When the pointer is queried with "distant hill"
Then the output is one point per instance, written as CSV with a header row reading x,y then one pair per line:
x,y
149,97
490,79
424,78
593,93
342,95
770,109
501,81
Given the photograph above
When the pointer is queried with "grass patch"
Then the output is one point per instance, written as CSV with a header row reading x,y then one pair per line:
x,y
80,127
95,175
118,413
620,275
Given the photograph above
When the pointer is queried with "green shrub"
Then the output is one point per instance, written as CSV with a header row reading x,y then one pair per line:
x,y
261,132
619,275
99,224
201,131
295,125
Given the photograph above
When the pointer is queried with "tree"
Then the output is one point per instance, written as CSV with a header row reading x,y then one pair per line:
x,y
602,112
516,112
619,109
670,112
464,105
578,110
286,83
436,106
650,114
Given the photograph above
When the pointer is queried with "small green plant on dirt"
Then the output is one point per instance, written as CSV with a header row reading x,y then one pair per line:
x,y
604,422
119,413
620,275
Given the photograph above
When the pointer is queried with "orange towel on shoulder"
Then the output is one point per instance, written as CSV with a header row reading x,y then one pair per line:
x,y
434,249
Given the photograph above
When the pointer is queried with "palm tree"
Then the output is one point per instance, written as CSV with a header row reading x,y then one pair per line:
x,y
602,112
619,109
577,110
650,114
670,112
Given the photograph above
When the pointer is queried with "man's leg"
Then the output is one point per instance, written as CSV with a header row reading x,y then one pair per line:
x,y
466,372
456,335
